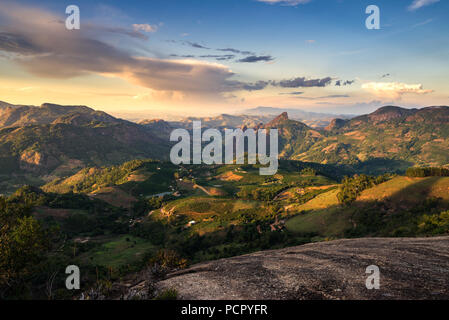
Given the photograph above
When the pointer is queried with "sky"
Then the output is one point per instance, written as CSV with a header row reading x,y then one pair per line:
x,y
205,57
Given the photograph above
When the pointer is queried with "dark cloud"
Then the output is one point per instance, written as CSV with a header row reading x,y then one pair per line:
x,y
236,51
10,42
259,85
211,56
189,43
336,96
295,93
219,57
333,96
182,56
340,83
302,82
195,45
252,59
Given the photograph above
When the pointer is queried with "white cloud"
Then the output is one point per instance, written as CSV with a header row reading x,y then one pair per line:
x,y
421,3
286,2
394,89
145,27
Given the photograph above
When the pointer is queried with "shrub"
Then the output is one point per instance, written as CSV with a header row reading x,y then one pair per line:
x,y
427,172
351,188
435,223
166,261
167,294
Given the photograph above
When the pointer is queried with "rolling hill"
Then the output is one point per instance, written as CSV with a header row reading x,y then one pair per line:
x,y
58,140
48,113
392,208
391,138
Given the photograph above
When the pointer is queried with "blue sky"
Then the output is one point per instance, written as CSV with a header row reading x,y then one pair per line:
x,y
239,54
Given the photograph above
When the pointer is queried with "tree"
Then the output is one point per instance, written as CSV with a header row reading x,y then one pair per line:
x,y
23,244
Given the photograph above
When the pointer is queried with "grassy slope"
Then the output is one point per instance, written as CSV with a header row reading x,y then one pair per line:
x,y
147,179
327,218
324,217
118,251
407,189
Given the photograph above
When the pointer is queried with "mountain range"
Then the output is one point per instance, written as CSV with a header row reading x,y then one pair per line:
x,y
312,119
54,139
58,140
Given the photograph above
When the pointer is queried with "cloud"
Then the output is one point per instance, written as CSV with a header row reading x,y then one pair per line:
x,y
340,83
252,56
423,23
195,45
237,51
394,89
295,93
421,3
333,96
145,27
182,56
302,82
259,85
190,44
44,47
286,2
133,33
222,57
252,59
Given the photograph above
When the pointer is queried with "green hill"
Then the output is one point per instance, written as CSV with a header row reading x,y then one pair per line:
x,y
47,113
394,136
43,149
395,207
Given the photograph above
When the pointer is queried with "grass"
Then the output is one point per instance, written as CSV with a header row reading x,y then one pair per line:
x,y
322,201
119,251
325,217
331,222
405,189
115,196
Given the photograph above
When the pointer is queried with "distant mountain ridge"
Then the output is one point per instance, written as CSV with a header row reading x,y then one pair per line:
x,y
47,113
410,136
223,121
54,139
312,119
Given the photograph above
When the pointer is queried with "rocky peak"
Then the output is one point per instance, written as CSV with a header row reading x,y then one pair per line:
x,y
283,117
336,124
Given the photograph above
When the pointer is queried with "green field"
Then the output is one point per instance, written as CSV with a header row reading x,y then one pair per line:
x,y
119,251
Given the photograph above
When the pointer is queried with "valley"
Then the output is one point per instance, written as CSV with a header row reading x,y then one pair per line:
x,y
99,194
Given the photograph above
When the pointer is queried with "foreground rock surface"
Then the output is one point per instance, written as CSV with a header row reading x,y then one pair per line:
x,y
411,268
